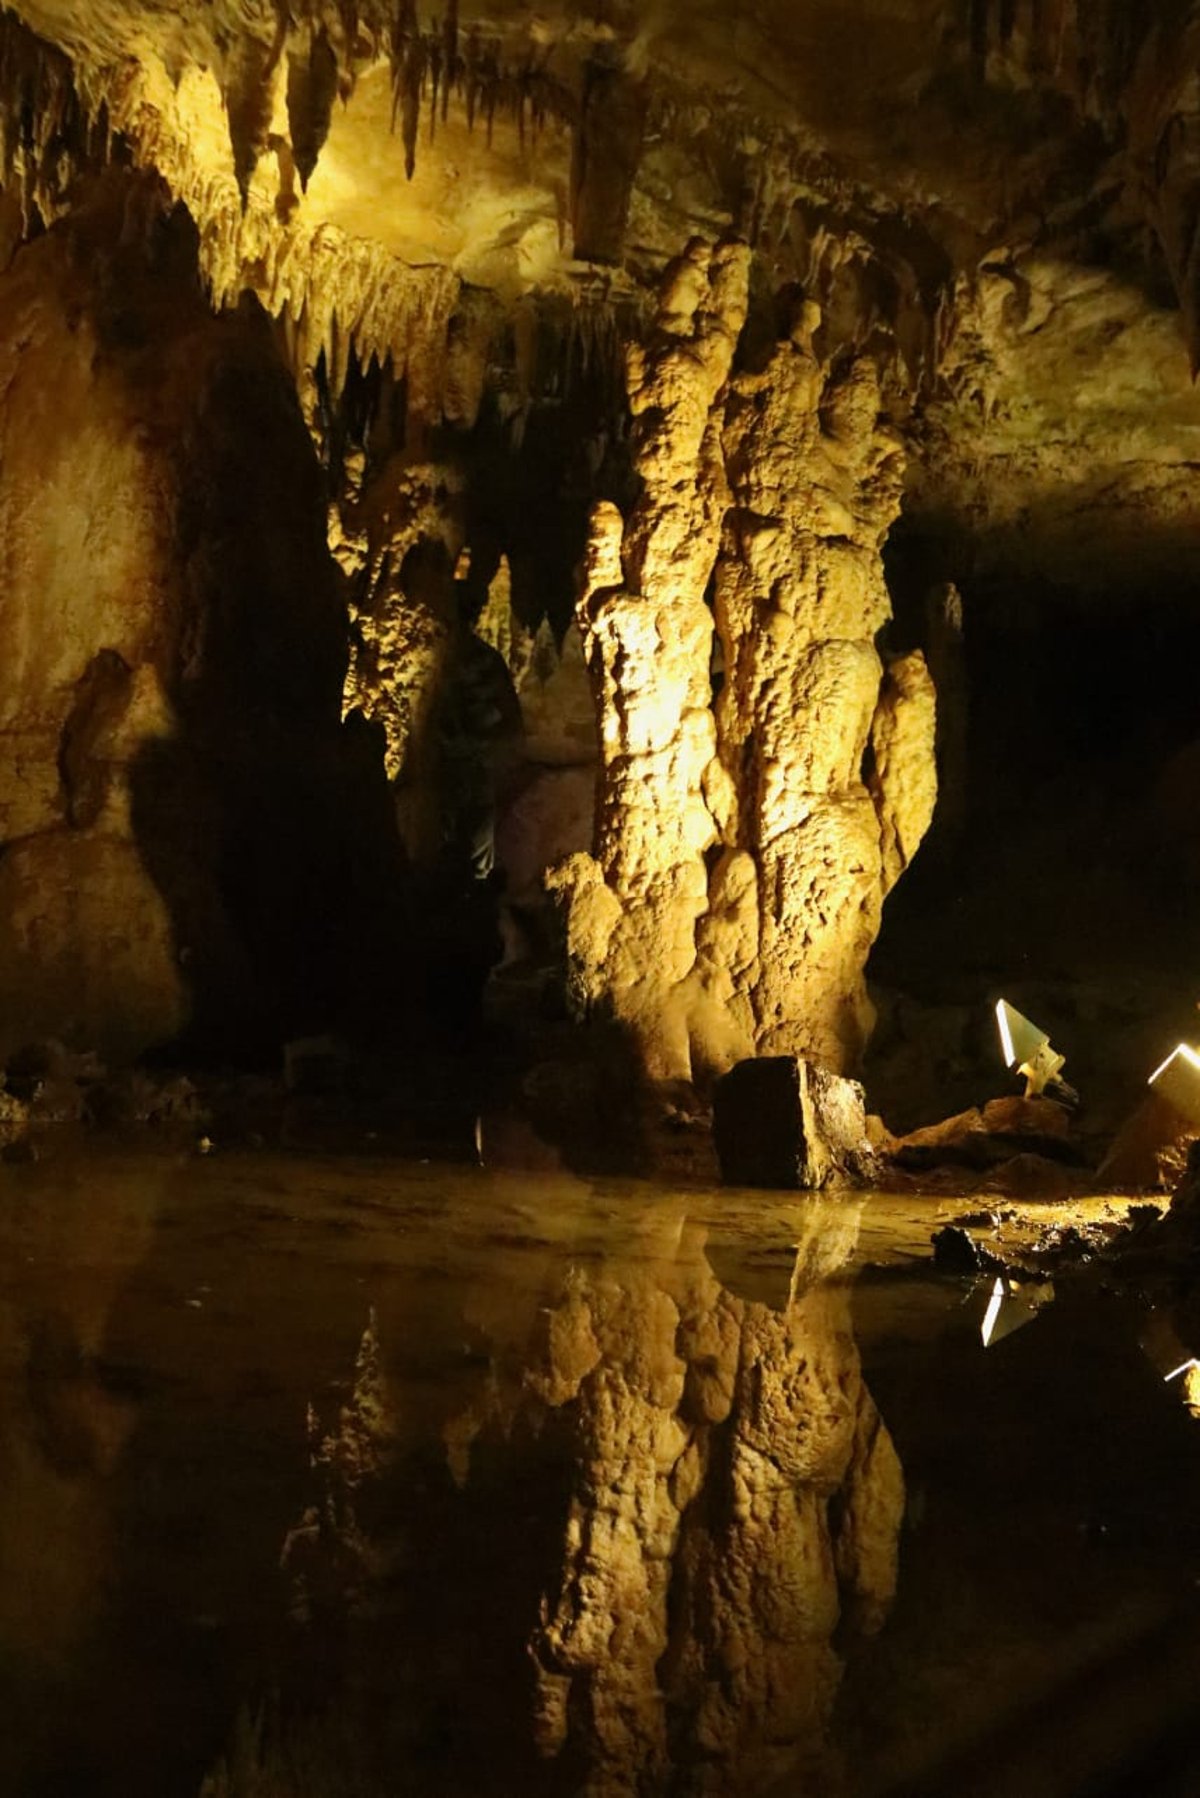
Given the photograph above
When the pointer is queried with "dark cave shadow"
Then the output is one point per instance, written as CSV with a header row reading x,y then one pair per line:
x,y
287,892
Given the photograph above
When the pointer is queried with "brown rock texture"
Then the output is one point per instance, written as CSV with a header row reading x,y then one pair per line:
x,y
172,640
800,597
745,841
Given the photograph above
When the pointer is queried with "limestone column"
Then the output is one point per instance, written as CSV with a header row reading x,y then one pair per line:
x,y
647,633
745,842
829,762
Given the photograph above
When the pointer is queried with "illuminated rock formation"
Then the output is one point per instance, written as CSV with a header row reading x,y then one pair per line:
x,y
939,249
779,487
647,632
815,480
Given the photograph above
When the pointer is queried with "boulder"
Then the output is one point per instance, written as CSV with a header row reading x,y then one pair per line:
x,y
1004,1128
779,1121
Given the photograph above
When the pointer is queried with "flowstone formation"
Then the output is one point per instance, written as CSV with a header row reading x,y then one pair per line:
x,y
746,836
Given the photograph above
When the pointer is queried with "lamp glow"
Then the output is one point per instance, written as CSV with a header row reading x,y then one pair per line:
x,y
1010,1308
993,1311
1006,1041
1177,1080
1027,1048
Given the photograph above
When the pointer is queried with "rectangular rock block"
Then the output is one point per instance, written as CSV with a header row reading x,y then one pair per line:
x,y
779,1121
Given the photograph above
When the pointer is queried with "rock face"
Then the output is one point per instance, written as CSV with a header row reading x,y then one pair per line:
x,y
173,766
745,839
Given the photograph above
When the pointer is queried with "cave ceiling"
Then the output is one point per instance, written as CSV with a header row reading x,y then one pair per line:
x,y
998,197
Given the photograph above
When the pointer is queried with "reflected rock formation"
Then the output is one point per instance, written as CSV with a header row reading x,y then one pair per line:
x,y
737,1498
664,1506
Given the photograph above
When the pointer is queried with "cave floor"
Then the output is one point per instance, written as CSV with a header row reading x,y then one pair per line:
x,y
177,1332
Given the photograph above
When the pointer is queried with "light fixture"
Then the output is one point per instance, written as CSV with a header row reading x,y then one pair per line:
x,y
1177,1080
1028,1049
1010,1307
1164,1348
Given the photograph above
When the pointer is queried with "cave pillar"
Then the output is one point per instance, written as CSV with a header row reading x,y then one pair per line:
x,y
745,843
647,629
829,757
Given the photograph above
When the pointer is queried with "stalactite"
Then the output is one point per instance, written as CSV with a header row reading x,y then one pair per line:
x,y
410,101
606,151
311,90
449,53
247,91
47,137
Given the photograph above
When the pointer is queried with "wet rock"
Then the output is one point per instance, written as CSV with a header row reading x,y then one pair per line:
x,y
778,1121
1017,1116
136,1096
54,1082
58,1100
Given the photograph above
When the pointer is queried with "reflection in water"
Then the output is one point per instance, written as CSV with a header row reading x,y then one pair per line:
x,y
733,1491
717,1495
463,1484
65,1420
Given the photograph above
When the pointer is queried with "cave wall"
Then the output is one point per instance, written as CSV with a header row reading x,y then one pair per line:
x,y
177,793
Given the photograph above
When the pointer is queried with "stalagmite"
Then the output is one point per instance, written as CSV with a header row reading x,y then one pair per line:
x,y
763,946
800,597
647,632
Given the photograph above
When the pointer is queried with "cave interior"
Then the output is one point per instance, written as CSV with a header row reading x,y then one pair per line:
x,y
583,590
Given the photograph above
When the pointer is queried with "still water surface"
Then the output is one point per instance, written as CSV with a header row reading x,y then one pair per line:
x,y
336,1476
